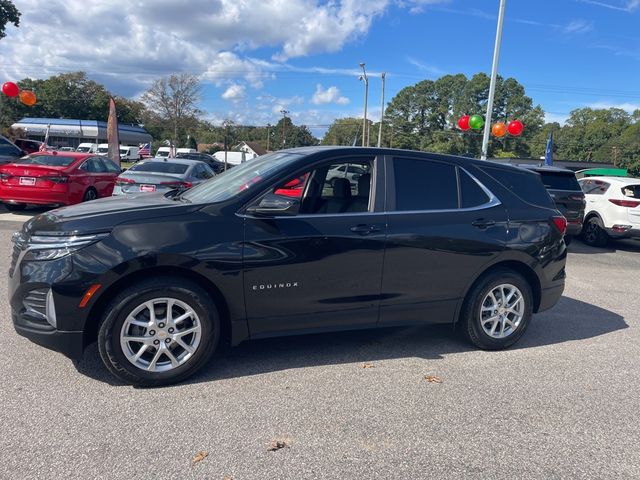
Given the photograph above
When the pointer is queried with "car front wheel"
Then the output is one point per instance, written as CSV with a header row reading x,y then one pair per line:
x,y
497,310
156,333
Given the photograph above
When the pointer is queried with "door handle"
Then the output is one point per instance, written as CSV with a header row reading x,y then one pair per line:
x,y
364,229
482,223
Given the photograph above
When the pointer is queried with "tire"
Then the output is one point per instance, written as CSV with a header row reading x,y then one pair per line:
x,y
168,356
15,207
593,234
476,314
89,195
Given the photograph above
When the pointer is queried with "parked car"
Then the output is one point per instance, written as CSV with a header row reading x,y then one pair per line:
x,y
613,209
88,148
65,149
215,165
161,280
350,172
103,149
163,152
29,146
129,153
565,190
9,151
56,178
163,176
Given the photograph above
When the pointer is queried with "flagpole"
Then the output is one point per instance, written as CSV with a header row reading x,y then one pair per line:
x,y
492,85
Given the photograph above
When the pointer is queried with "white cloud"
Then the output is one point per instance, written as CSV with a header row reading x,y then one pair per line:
x,y
627,106
625,6
329,95
578,26
234,93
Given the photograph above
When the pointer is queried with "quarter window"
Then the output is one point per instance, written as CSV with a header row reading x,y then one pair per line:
x,y
594,187
425,185
471,194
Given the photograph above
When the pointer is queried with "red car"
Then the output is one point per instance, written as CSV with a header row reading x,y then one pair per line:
x,y
53,178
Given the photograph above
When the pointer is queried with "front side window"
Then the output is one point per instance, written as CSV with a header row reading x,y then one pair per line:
x,y
424,185
339,187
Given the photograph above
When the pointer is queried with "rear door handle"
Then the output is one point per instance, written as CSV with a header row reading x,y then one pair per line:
x,y
481,223
365,229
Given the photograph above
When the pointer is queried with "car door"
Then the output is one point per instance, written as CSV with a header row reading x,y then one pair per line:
x,y
112,171
443,227
318,267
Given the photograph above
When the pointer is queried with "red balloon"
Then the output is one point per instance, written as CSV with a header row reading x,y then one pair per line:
x,y
463,122
515,127
10,89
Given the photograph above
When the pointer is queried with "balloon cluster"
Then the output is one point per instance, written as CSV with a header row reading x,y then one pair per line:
x,y
498,129
27,97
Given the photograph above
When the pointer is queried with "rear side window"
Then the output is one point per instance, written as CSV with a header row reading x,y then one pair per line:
x,y
631,191
559,180
525,185
425,185
471,194
160,167
594,187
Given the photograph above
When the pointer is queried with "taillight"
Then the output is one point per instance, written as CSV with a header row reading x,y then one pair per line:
x,y
124,181
625,203
177,184
4,177
57,179
560,223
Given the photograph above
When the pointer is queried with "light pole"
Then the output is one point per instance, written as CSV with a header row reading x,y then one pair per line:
x,y
381,111
284,121
366,100
492,85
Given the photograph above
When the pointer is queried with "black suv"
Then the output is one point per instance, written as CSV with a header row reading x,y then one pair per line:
x,y
565,190
215,165
278,246
9,152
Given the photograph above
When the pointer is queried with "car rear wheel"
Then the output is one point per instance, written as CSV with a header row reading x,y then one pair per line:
x,y
593,234
15,207
157,333
89,195
497,310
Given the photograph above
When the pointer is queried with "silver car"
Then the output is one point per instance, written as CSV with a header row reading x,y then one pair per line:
x,y
156,175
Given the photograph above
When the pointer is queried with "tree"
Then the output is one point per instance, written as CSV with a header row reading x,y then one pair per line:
x,y
174,100
294,136
8,14
343,131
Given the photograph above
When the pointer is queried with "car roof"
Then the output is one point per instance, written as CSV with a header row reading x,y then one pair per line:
x,y
76,155
617,180
183,161
545,168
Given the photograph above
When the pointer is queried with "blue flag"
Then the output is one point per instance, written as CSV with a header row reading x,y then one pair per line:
x,y
548,153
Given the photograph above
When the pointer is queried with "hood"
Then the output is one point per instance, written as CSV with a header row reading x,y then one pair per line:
x,y
104,214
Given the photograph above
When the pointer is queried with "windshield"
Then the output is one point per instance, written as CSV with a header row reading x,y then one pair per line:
x,y
159,167
103,149
239,179
124,150
49,160
83,149
162,153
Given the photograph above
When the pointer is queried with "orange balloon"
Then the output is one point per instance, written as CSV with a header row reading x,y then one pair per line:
x,y
499,129
28,98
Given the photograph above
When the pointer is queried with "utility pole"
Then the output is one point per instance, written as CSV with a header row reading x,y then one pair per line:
x,y
492,85
284,121
381,112
226,137
268,128
365,139
615,156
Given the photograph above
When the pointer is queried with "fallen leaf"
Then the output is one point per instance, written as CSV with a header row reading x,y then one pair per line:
x,y
198,457
432,379
227,477
368,365
277,444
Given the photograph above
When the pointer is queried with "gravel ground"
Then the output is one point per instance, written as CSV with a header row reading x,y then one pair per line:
x,y
561,404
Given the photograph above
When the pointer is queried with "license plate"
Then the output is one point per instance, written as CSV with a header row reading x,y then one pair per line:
x,y
27,181
147,188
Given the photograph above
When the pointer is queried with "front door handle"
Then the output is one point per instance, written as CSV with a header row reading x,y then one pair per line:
x,y
365,229
482,223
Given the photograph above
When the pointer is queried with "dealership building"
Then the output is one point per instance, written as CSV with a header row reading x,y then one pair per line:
x,y
64,132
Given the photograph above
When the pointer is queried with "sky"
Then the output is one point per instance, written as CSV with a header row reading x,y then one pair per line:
x,y
258,57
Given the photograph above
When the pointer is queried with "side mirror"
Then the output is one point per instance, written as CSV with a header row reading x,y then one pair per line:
x,y
272,205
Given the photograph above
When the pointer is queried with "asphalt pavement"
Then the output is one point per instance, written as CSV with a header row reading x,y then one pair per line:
x,y
401,403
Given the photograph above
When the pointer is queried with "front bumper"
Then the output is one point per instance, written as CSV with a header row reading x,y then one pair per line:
x,y
71,344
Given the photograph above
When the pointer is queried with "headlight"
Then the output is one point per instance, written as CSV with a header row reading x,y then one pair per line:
x,y
50,247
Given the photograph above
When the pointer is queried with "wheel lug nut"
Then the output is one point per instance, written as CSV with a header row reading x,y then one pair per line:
x,y
156,342
152,332
161,325
171,330
168,340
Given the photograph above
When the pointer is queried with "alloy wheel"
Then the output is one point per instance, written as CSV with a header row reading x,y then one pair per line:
x,y
502,311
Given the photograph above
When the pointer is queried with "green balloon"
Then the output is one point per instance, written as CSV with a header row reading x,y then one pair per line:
x,y
476,122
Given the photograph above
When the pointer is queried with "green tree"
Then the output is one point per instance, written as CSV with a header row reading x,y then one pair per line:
x,y
344,131
8,14
294,136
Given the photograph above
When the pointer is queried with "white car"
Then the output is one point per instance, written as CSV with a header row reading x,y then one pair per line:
x,y
613,209
348,171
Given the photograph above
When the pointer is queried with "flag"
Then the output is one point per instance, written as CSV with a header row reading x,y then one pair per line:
x,y
45,144
145,150
112,134
548,153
